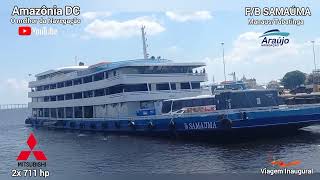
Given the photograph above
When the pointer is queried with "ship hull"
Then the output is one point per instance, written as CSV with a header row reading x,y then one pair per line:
x,y
237,123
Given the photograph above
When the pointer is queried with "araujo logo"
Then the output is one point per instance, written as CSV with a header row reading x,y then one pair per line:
x,y
38,154
274,38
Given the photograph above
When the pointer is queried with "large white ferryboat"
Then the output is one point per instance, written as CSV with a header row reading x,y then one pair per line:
x,y
156,96
113,90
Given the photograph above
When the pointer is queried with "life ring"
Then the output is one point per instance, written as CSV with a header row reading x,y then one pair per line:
x,y
151,125
225,124
131,124
28,121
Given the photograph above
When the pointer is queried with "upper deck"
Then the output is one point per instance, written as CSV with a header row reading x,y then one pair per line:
x,y
138,66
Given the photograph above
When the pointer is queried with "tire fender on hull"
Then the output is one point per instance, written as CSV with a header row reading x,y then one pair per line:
x,y
224,122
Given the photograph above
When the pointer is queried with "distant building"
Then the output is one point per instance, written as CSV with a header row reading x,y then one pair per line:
x,y
251,83
313,80
274,85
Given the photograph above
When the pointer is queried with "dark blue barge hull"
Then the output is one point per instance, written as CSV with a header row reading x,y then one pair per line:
x,y
220,123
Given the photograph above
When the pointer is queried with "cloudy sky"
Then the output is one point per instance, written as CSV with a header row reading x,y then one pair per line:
x,y
178,30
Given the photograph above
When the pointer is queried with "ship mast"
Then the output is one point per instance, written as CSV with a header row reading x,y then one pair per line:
x,y
144,45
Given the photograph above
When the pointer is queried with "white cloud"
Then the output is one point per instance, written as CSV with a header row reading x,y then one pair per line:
x,y
247,57
118,29
13,91
189,16
16,85
96,14
247,48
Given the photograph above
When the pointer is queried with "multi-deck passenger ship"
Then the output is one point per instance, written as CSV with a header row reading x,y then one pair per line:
x,y
113,90
156,96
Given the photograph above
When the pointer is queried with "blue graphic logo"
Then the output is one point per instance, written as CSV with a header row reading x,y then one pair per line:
x,y
274,38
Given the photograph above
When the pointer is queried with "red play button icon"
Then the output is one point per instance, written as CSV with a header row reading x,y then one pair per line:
x,y
24,31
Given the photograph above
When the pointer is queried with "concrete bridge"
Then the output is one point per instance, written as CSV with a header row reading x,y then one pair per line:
x,y
13,106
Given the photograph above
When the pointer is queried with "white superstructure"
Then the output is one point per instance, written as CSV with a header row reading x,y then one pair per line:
x,y
117,89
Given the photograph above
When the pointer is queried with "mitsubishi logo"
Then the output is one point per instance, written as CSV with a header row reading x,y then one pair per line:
x,y
38,154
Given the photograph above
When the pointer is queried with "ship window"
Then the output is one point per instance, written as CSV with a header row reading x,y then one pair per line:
x,y
176,105
166,106
99,76
60,85
46,112
53,98
34,112
77,95
203,102
87,79
146,104
78,112
107,91
179,104
185,85
60,112
106,75
69,112
68,96
46,99
173,86
68,83
77,81
53,112
195,85
197,102
88,111
116,89
60,97
46,87
40,112
53,86
99,92
39,88
87,94
163,86
135,87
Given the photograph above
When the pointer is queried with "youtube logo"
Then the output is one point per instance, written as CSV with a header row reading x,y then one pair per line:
x,y
24,31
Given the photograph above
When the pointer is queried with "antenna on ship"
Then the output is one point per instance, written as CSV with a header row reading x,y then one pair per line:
x,y
144,44
224,63
234,78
